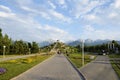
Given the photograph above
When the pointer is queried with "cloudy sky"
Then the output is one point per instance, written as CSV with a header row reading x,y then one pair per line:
x,y
39,20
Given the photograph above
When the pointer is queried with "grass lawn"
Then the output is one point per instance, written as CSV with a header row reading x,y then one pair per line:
x,y
77,59
18,66
115,63
116,68
114,56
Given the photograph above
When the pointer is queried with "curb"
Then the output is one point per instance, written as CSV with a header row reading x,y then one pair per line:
x,y
80,74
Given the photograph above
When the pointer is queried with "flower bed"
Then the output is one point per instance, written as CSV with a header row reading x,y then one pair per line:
x,y
2,70
28,60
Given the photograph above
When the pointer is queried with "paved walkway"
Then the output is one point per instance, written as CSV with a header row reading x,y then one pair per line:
x,y
55,68
100,69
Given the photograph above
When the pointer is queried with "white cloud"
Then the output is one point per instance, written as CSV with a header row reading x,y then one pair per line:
x,y
54,29
59,16
4,14
28,29
93,33
32,31
90,17
12,16
55,33
34,20
44,14
100,12
5,9
24,2
89,28
28,9
62,2
108,16
44,11
112,15
24,26
52,5
83,7
48,14
117,4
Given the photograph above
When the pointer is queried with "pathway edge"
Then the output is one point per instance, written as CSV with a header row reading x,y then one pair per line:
x,y
33,67
79,72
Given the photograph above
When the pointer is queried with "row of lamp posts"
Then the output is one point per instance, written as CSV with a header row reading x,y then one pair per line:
x,y
4,51
4,47
110,46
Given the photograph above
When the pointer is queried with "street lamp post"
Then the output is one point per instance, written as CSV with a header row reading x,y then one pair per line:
x,y
113,46
4,51
108,47
82,52
29,50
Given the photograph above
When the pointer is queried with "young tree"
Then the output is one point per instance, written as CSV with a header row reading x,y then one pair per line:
x,y
1,37
35,47
7,42
79,48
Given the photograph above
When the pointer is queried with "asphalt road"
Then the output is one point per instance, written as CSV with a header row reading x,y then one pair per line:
x,y
54,68
100,69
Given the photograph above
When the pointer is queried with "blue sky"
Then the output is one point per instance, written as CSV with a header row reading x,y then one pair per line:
x,y
39,20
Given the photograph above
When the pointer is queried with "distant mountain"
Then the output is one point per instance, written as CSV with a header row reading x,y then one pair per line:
x,y
88,42
46,43
118,42
97,42
74,43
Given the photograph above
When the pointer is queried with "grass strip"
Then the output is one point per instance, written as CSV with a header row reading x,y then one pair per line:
x,y
114,55
116,67
18,66
115,63
77,59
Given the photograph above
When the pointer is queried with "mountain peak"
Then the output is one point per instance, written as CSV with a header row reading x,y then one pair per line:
x,y
88,42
